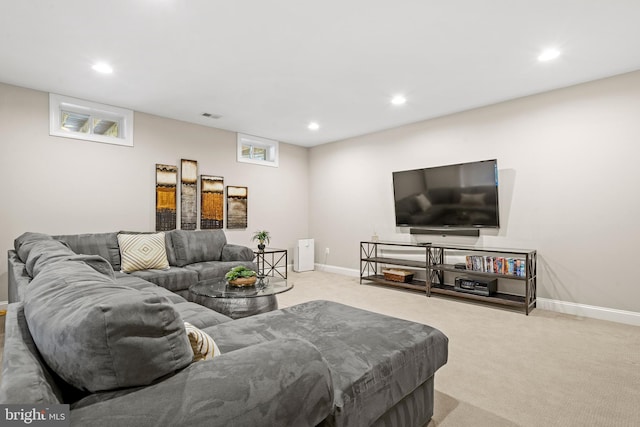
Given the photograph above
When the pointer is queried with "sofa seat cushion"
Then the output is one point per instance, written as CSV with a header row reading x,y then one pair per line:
x,y
212,270
196,246
375,360
200,316
99,335
145,286
173,279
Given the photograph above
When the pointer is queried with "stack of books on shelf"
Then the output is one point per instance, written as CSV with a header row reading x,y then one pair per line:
x,y
498,265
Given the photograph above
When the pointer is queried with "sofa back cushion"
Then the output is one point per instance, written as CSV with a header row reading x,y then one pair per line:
x,y
101,244
22,244
196,246
36,254
98,335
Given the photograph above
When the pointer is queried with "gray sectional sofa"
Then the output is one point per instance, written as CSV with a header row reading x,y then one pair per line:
x,y
114,348
192,255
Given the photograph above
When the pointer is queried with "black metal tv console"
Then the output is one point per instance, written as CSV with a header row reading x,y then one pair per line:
x,y
435,270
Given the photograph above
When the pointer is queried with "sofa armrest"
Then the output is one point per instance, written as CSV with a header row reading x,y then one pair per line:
x,y
231,252
17,276
279,383
25,377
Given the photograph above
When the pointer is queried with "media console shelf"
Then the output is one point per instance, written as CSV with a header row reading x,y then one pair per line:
x,y
440,264
525,283
372,257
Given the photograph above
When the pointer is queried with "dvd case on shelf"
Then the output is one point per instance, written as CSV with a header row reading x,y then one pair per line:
x,y
497,265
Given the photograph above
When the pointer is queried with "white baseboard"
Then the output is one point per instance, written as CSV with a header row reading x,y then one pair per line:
x,y
594,312
338,270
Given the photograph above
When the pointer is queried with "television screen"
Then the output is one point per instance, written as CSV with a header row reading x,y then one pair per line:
x,y
463,195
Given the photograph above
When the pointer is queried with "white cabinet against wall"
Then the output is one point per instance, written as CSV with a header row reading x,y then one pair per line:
x,y
303,255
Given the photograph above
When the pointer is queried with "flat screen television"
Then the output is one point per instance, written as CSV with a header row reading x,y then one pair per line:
x,y
463,195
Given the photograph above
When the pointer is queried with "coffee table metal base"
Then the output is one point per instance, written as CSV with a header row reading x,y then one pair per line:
x,y
237,308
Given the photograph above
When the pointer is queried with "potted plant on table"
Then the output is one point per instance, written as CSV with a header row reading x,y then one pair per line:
x,y
261,236
241,276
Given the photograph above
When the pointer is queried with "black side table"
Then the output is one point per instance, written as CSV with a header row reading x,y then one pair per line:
x,y
271,261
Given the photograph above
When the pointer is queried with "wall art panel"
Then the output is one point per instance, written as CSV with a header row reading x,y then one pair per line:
x,y
189,195
211,202
237,207
166,191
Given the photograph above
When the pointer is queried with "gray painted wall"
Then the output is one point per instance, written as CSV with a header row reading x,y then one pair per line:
x,y
60,185
569,174
567,163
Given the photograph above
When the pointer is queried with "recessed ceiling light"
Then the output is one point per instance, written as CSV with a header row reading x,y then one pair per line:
x,y
102,67
398,100
313,126
548,55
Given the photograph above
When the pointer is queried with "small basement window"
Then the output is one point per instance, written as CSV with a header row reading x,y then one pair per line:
x,y
256,150
80,119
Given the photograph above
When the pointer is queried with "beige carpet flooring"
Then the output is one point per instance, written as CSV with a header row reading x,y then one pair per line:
x,y
505,368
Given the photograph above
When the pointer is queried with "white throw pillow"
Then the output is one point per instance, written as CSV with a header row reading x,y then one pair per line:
x,y
203,346
142,251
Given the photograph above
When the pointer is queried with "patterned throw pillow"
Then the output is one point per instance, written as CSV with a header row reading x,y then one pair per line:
x,y
203,346
142,252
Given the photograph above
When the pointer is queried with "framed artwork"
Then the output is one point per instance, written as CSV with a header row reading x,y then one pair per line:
x,y
166,191
189,195
237,207
211,202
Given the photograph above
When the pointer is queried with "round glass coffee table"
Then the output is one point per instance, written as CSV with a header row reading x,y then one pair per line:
x,y
239,301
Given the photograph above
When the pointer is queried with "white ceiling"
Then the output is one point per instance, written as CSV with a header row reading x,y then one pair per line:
x,y
270,67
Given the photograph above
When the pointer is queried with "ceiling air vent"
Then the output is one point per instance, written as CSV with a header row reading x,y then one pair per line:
x,y
211,116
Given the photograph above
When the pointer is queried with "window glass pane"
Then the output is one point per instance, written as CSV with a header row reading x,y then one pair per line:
x,y
105,127
259,153
74,122
246,151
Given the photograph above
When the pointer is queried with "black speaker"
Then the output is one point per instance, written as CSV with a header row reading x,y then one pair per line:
x,y
473,232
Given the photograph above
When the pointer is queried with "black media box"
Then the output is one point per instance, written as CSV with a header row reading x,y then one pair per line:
x,y
484,287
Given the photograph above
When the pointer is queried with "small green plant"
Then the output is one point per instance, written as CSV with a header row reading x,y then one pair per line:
x,y
239,271
261,236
